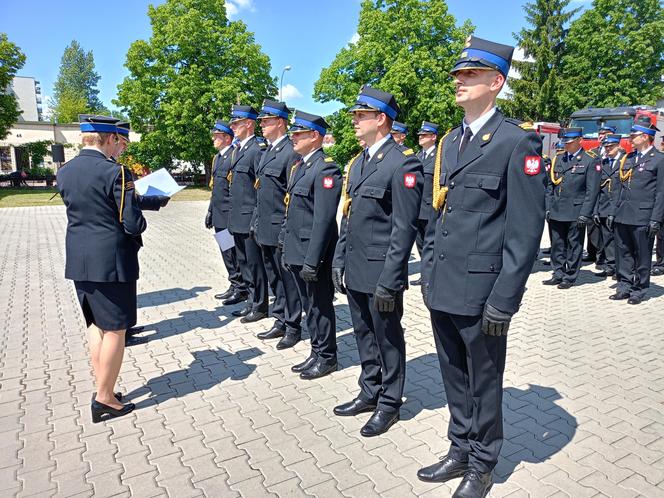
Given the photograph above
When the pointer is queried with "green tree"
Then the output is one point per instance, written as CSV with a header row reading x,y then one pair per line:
x,y
11,60
615,55
535,94
191,70
405,47
75,90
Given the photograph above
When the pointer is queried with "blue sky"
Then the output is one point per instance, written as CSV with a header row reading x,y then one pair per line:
x,y
305,34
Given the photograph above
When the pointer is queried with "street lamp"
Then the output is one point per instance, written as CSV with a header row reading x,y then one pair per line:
x,y
281,82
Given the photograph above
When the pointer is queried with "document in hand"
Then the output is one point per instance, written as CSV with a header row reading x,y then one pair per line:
x,y
158,183
224,239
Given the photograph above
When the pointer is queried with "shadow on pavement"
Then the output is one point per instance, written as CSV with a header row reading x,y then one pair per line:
x,y
187,321
168,296
208,368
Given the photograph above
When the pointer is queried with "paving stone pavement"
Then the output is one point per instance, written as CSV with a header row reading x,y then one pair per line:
x,y
221,414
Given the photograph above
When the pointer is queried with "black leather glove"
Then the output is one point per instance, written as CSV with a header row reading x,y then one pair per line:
x,y
338,280
547,215
163,200
494,321
425,293
581,222
208,219
384,299
596,220
309,273
609,222
653,229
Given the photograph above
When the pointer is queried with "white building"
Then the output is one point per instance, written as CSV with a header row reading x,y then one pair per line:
x,y
28,94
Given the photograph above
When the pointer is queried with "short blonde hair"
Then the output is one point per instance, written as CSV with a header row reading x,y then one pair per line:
x,y
94,139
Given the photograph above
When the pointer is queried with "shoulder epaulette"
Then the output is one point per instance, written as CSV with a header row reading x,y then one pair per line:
x,y
527,125
544,156
262,145
407,152
558,152
329,160
591,154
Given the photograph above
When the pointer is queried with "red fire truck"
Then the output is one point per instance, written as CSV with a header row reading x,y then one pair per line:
x,y
592,118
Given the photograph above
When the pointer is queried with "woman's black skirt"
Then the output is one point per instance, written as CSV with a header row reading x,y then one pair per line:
x,y
108,305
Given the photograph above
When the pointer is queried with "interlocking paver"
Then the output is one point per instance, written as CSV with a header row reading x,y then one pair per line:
x,y
221,414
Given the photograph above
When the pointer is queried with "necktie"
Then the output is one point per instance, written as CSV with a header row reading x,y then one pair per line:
x,y
467,135
365,160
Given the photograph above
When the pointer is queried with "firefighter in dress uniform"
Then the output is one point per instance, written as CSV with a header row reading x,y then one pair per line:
x,y
426,136
575,177
272,177
309,236
638,212
104,226
219,210
479,251
609,185
382,194
246,157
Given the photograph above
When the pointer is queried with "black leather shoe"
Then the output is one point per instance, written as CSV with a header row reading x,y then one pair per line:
x,y
104,412
587,258
300,367
448,468
317,370
289,340
354,407
225,295
254,316
379,423
274,333
602,274
656,272
619,296
634,300
237,297
243,312
610,272
474,485
552,281
546,262
565,285
416,282
546,251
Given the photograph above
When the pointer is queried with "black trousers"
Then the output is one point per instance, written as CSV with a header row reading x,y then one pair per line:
x,y
633,258
286,307
659,251
232,267
421,232
566,249
606,247
472,365
250,259
593,241
382,349
320,319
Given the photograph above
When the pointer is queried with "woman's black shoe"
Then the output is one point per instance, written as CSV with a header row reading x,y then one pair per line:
x,y
117,395
99,410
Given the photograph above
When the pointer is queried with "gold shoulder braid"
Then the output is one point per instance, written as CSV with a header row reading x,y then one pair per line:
x,y
439,193
552,173
287,196
122,172
624,176
347,199
211,184
257,183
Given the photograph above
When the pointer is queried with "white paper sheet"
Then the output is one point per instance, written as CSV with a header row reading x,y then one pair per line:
x,y
159,182
225,240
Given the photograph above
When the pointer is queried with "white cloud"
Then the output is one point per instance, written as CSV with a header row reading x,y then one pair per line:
x,y
289,92
355,38
233,7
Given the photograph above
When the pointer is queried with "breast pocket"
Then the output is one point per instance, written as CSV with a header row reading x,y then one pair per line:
x,y
242,168
481,192
273,172
373,203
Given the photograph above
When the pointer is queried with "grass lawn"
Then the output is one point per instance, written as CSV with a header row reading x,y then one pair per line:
x,y
24,197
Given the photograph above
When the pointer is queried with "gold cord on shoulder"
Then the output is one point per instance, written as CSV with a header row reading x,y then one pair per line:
x,y
439,193
552,173
624,176
122,172
347,200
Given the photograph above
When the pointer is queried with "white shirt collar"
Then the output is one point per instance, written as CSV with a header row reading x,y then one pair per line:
x,y
477,125
244,142
641,153
223,151
374,148
308,156
429,150
273,144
